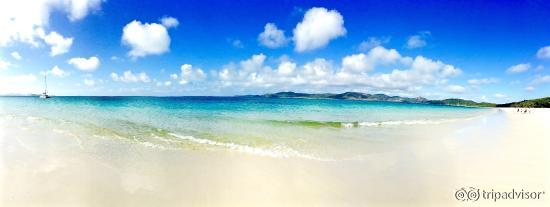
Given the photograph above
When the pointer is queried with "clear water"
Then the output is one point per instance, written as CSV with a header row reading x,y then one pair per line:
x,y
319,129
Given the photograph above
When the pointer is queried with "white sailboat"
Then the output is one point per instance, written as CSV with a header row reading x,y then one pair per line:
x,y
45,93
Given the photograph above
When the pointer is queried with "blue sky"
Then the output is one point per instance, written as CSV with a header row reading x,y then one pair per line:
x,y
486,50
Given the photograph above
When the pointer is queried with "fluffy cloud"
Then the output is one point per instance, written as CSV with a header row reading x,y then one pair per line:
x,y
418,41
272,37
59,44
169,22
318,27
372,42
359,63
482,81
356,63
56,71
286,68
165,83
541,79
4,65
190,74
544,53
18,84
84,64
316,72
414,73
89,82
455,89
499,95
78,9
419,71
16,55
129,77
26,20
247,73
519,68
145,39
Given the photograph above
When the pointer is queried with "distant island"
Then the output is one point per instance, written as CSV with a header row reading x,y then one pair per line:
x,y
535,103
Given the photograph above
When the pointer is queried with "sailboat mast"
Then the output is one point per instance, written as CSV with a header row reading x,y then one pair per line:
x,y
45,85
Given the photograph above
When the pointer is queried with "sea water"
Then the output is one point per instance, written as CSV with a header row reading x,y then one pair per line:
x,y
320,129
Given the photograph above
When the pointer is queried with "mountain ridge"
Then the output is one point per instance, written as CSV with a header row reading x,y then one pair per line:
x,y
378,97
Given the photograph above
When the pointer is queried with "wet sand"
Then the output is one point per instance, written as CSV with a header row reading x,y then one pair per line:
x,y
423,167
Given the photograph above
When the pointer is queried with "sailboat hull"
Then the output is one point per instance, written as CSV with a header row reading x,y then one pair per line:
x,y
45,94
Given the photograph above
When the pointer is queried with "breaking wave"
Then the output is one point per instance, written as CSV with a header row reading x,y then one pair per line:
x,y
338,124
277,152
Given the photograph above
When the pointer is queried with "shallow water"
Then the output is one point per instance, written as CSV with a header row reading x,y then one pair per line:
x,y
312,129
160,152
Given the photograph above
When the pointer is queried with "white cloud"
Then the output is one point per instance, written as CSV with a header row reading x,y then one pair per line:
x,y
18,84
90,64
247,73
59,44
26,20
254,63
165,83
4,65
56,71
372,42
318,27
316,72
359,63
482,81
483,98
529,88
115,76
129,77
356,63
519,68
272,37
456,89
190,74
145,39
544,53
78,9
419,71
16,55
418,40
320,73
498,95
286,68
89,82
169,22
541,79
174,76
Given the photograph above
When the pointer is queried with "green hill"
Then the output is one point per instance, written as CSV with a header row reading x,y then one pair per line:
x,y
461,102
533,103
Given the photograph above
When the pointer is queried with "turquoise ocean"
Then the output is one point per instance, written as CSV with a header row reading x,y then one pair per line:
x,y
307,128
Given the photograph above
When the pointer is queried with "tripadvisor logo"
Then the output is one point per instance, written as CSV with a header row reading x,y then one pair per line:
x,y
475,194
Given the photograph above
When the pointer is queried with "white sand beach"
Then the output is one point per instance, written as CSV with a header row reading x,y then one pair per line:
x,y
425,167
